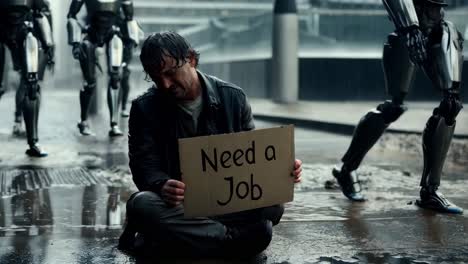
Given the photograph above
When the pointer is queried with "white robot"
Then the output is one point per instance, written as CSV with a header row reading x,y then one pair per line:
x,y
24,29
102,29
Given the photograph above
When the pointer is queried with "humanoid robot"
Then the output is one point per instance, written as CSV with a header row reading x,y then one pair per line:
x,y
129,47
422,38
45,61
101,30
24,28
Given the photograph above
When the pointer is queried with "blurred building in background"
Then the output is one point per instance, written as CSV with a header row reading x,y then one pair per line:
x,y
340,44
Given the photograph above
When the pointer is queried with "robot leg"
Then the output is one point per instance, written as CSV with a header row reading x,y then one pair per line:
x,y
19,100
125,89
113,104
32,100
42,64
17,127
114,58
125,83
399,72
31,115
2,69
366,133
437,137
87,63
444,68
86,96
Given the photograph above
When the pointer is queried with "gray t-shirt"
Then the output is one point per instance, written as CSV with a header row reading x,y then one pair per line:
x,y
193,108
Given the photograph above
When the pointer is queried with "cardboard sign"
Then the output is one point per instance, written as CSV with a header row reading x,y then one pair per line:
x,y
235,172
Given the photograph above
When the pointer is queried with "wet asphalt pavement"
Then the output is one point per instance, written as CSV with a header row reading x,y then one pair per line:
x,y
70,206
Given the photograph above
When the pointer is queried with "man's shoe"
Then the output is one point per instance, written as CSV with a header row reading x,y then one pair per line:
x,y
36,152
83,126
248,239
350,184
433,200
115,131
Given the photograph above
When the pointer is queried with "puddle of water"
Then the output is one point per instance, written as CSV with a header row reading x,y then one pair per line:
x,y
374,258
21,180
64,210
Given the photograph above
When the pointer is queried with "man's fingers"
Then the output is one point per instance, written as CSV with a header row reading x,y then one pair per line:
x,y
297,172
297,168
297,163
173,190
176,184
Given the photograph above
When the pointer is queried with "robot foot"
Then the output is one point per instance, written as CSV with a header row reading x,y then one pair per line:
x,y
115,131
36,152
83,126
348,182
18,130
124,113
436,201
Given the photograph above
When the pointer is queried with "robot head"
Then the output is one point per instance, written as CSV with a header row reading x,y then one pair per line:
x,y
430,12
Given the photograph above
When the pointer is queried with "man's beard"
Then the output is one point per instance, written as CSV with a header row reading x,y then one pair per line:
x,y
178,92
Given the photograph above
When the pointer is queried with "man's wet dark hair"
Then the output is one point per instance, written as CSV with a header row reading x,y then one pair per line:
x,y
168,44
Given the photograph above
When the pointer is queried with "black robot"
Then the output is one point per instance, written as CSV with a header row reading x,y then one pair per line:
x,y
422,38
24,29
102,29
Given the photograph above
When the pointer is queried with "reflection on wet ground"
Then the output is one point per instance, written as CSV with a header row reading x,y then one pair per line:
x,y
17,181
66,221
58,210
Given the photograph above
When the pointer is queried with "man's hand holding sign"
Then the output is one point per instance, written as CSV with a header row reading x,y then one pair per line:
x,y
297,172
235,172
173,192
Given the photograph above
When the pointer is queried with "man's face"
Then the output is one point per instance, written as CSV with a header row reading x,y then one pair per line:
x,y
178,80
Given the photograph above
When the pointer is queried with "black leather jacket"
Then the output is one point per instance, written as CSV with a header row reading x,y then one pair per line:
x,y
154,128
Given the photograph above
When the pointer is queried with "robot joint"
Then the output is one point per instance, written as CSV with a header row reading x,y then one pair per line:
x,y
391,111
449,107
33,90
89,88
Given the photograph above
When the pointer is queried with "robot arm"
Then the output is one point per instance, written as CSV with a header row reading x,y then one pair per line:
x,y
75,8
402,13
73,27
127,8
134,31
43,21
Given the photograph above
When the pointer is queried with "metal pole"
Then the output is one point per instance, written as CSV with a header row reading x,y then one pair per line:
x,y
285,64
